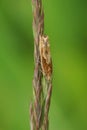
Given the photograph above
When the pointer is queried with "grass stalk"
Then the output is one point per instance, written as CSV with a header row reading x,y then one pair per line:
x,y
42,81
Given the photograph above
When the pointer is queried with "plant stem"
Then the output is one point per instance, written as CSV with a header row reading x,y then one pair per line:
x,y
39,109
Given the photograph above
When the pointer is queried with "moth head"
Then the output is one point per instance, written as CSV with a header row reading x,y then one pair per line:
x,y
44,40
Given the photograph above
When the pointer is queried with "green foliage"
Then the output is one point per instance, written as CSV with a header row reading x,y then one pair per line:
x,y
66,25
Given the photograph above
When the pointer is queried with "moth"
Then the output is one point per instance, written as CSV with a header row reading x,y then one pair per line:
x,y
45,57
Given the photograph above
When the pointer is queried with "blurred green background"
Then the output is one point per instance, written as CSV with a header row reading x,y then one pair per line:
x,y
66,25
